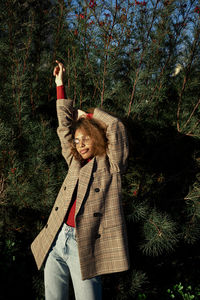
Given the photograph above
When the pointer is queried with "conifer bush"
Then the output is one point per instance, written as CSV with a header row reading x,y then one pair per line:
x,y
138,60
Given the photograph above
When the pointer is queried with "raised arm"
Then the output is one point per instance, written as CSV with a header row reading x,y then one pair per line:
x,y
117,140
65,113
65,118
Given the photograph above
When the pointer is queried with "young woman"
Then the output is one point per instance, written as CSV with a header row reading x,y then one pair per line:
x,y
85,234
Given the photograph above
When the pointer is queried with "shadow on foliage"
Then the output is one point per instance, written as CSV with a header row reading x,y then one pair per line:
x,y
162,169
161,172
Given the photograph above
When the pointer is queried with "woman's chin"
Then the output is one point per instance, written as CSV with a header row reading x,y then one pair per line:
x,y
85,155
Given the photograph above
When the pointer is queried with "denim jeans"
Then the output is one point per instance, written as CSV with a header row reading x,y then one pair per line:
x,y
63,262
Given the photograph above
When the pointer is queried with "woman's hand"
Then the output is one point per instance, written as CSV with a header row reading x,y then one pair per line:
x,y
81,114
58,73
78,113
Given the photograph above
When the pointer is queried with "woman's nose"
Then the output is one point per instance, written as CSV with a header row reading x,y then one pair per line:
x,y
82,144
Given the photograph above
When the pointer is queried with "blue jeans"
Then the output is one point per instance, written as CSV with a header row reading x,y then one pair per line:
x,y
63,262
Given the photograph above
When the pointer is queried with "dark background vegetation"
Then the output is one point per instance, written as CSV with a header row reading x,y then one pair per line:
x,y
139,60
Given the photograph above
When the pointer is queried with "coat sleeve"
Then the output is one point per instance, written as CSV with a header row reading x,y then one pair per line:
x,y
65,118
117,150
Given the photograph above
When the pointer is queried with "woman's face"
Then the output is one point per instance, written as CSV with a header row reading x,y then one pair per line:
x,y
84,144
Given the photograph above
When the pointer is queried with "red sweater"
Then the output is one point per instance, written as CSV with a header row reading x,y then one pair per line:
x,y
70,217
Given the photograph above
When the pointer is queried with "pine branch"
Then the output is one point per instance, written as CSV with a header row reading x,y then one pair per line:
x,y
194,127
141,60
57,40
107,44
191,115
75,74
186,77
68,69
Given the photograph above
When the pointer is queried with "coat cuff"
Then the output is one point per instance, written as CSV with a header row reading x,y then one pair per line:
x,y
60,92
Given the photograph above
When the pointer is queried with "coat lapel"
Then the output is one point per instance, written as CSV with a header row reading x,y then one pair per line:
x,y
84,178
71,184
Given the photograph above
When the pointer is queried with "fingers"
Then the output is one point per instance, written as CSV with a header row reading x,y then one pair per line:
x,y
60,65
58,69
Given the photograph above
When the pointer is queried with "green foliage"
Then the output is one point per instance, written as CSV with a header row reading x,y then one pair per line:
x,y
187,293
159,234
138,60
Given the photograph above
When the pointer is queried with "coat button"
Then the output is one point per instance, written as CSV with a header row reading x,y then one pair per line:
x,y
64,188
97,190
46,226
97,214
56,208
98,236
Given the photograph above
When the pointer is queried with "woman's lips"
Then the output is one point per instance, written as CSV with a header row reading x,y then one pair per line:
x,y
84,151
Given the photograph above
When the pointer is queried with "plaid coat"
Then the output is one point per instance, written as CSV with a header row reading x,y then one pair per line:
x,y
100,228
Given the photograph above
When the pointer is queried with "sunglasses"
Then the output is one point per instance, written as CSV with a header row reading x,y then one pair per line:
x,y
84,140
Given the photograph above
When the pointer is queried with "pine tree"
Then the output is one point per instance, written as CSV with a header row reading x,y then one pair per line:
x,y
31,170
138,60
